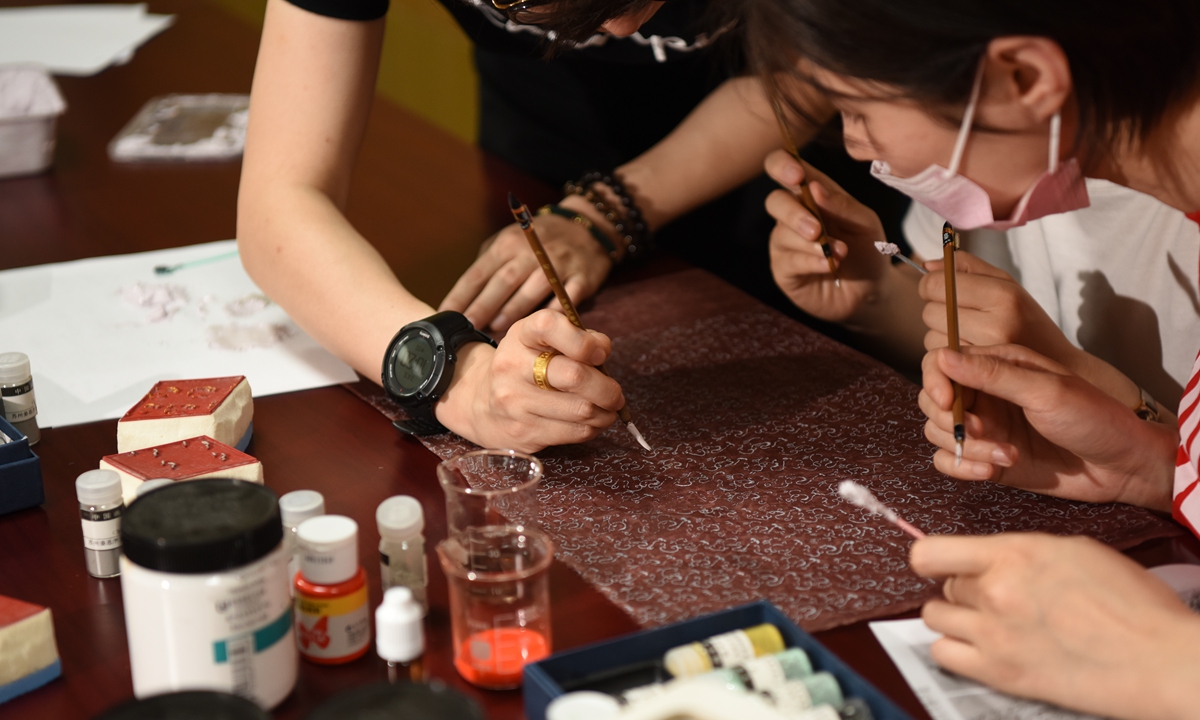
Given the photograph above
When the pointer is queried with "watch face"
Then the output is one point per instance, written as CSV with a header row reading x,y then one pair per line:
x,y
412,363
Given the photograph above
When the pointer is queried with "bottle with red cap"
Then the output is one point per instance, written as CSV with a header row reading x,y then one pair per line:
x,y
332,619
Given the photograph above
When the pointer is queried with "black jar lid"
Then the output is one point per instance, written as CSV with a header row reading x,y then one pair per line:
x,y
190,705
411,701
201,526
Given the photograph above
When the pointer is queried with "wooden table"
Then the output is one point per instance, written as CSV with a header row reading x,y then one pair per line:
x,y
427,200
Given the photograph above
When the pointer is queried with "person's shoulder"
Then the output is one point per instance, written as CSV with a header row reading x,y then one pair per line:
x,y
345,9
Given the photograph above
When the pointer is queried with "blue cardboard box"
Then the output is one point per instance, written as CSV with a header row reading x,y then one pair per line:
x,y
549,678
20,473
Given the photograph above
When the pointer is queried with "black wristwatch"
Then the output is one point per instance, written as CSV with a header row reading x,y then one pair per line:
x,y
419,364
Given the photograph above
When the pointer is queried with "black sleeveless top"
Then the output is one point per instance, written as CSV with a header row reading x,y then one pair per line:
x,y
593,106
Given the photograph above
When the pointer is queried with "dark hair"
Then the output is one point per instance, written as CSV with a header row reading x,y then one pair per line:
x,y
1130,60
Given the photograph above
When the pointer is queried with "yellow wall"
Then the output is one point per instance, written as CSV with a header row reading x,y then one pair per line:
x,y
426,64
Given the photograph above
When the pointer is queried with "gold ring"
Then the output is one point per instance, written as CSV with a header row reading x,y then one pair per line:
x,y
540,367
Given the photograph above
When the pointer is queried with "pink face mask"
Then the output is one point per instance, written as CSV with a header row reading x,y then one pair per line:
x,y
967,206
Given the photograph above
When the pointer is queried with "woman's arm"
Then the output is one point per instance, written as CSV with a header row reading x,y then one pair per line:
x,y
312,92
313,87
718,147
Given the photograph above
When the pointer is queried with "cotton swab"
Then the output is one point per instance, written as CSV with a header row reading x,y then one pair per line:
x,y
856,494
893,250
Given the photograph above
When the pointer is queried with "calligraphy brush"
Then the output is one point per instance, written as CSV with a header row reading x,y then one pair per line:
x,y
856,494
806,197
521,213
949,245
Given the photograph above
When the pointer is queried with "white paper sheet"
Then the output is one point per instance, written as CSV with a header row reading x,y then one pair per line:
x,y
947,696
76,39
94,353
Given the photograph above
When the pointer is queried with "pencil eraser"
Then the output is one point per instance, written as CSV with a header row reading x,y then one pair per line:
x,y
191,459
28,654
221,408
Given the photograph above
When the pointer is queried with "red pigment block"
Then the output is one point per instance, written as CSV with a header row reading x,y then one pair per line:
x,y
221,408
28,653
191,459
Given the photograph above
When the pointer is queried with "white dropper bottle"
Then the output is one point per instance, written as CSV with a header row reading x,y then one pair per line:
x,y
400,635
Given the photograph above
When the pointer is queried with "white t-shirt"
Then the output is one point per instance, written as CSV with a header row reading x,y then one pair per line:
x,y
1118,277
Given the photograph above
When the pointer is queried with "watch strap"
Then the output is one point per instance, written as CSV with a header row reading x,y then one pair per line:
x,y
419,427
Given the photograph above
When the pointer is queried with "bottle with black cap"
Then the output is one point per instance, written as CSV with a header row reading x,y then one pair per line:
x,y
204,582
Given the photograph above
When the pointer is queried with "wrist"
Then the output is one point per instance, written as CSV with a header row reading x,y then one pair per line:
x,y
455,408
580,204
1104,376
879,302
609,195
1151,484
1178,668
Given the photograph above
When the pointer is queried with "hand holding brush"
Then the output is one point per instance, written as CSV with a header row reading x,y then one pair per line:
x,y
805,195
521,213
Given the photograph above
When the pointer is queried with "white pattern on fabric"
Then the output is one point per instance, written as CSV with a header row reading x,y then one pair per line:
x,y
657,44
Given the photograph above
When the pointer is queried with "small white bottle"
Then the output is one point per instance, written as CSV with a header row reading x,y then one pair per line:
x,y
402,561
294,508
18,404
400,635
583,705
100,508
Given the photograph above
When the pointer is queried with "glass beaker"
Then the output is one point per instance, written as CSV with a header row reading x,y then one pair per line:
x,y
488,488
499,602
496,561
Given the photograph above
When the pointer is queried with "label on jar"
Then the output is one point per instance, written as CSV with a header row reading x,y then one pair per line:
x,y
101,528
728,649
229,631
19,403
335,629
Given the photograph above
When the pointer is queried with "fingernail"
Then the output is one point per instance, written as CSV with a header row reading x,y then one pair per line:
x,y
597,356
499,321
809,228
1001,457
791,174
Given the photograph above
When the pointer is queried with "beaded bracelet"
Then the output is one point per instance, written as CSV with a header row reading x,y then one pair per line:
x,y
630,225
584,222
610,215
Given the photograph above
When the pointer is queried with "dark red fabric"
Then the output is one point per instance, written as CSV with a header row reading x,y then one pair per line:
x,y
754,420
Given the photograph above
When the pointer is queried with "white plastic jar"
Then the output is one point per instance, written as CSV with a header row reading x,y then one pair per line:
x,y
204,579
